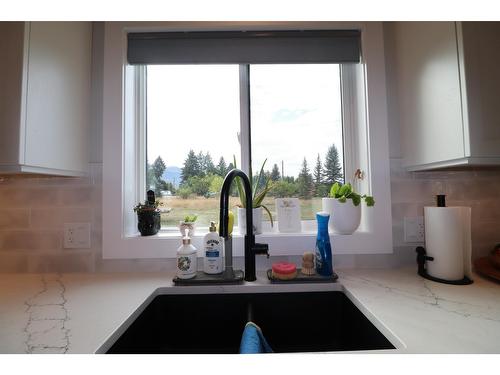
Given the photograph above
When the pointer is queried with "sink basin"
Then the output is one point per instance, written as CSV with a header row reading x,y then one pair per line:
x,y
213,324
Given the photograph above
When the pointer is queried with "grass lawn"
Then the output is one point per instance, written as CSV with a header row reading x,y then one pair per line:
x,y
207,209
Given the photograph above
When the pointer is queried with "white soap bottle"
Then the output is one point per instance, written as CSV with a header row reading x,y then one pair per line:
x,y
186,258
212,251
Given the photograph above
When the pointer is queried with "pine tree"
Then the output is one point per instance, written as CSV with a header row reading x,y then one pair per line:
x,y
332,169
305,182
318,177
221,168
318,172
275,173
191,167
206,163
155,176
158,167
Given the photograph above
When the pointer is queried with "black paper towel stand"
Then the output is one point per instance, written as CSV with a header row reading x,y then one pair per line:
x,y
422,257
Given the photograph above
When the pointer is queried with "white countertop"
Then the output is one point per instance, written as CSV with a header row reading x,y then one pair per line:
x,y
78,313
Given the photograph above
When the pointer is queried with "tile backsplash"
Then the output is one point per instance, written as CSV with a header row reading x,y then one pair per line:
x,y
34,209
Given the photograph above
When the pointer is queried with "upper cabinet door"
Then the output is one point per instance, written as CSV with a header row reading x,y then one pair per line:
x,y
58,95
429,92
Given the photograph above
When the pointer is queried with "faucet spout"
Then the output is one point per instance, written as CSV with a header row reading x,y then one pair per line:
x,y
250,246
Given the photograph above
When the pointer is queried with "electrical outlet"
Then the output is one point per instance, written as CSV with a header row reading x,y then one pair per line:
x,y
414,230
77,235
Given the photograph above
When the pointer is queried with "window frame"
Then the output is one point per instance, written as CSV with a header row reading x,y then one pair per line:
x,y
124,154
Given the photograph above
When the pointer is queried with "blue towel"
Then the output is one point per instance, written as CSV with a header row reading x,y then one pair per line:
x,y
253,341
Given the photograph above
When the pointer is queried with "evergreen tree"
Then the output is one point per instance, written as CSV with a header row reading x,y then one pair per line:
x,y
275,173
332,168
206,163
191,167
221,168
158,167
155,176
305,182
318,177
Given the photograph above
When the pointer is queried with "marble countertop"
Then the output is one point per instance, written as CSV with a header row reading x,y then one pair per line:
x,y
79,313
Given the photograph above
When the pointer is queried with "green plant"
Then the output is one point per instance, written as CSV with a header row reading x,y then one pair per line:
x,y
146,206
344,192
190,218
259,192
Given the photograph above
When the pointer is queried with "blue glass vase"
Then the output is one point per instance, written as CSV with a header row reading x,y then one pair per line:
x,y
323,256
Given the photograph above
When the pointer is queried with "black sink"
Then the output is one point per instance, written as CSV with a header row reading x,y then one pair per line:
x,y
213,323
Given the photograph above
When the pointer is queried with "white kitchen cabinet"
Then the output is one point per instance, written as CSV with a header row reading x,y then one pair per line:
x,y
45,78
448,81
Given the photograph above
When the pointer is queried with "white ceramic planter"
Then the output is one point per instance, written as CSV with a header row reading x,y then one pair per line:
x,y
190,226
257,220
344,217
288,211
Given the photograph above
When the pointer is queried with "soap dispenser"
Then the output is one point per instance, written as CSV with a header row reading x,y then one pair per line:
x,y
186,258
212,261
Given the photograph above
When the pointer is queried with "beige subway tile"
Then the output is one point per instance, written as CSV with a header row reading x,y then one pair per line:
x,y
30,240
27,196
54,218
14,218
76,196
489,210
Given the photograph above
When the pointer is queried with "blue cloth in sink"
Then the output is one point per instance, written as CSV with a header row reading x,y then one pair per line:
x,y
253,341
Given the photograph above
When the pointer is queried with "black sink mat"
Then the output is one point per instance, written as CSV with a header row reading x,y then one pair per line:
x,y
202,278
301,278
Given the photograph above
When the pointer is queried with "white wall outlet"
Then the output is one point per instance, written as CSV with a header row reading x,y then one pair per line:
x,y
77,235
414,230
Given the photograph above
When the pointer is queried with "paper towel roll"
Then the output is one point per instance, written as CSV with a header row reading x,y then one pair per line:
x,y
448,241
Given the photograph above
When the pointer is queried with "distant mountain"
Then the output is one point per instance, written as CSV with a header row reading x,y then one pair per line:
x,y
172,174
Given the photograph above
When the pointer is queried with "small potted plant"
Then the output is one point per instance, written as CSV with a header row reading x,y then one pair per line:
x,y
189,223
343,205
260,188
148,215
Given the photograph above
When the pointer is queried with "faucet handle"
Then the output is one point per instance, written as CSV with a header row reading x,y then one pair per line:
x,y
261,248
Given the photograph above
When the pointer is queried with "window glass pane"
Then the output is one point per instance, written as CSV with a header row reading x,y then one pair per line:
x,y
296,121
193,121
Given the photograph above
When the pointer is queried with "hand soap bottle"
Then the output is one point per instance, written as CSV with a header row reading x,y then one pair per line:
x,y
212,262
186,258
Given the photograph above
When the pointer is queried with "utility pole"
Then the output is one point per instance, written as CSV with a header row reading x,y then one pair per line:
x,y
282,171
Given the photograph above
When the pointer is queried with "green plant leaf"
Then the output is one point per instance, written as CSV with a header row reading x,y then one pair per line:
x,y
334,190
370,202
257,202
261,172
356,199
342,199
269,213
345,189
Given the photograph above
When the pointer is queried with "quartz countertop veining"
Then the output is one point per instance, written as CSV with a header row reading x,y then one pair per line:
x,y
79,313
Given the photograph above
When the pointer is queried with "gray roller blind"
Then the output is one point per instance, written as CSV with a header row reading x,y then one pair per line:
x,y
245,47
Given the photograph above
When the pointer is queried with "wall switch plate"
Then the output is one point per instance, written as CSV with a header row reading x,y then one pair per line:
x,y
414,230
77,235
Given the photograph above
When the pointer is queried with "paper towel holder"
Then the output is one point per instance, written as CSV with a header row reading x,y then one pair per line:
x,y
422,257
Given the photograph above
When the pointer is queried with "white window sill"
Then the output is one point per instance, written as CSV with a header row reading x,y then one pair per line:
x,y
165,244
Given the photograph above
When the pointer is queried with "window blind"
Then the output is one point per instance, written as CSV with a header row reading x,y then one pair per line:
x,y
245,47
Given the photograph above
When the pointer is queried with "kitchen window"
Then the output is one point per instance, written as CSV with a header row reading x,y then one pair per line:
x,y
267,87
295,134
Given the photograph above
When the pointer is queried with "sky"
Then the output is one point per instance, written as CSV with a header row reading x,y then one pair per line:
x,y
296,113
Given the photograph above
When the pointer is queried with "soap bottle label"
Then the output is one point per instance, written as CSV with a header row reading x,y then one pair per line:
x,y
186,265
213,259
